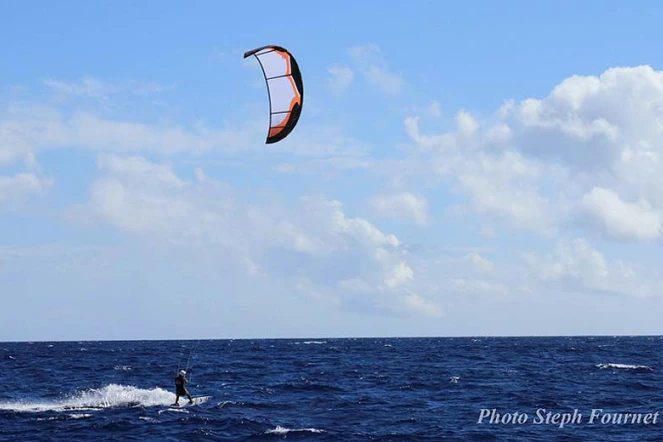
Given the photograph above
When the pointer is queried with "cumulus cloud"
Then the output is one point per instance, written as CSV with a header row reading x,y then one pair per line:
x,y
341,79
326,167
434,109
590,150
500,184
373,66
505,186
575,266
479,287
421,306
41,128
142,197
620,219
49,128
14,148
89,87
21,186
481,264
17,188
402,205
101,90
312,237
571,266
28,129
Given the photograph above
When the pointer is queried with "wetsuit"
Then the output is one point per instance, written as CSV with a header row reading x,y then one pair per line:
x,y
180,389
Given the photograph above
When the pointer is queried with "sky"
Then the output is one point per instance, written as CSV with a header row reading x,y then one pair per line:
x,y
459,169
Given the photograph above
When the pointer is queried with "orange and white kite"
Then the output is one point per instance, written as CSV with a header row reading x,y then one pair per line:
x,y
285,88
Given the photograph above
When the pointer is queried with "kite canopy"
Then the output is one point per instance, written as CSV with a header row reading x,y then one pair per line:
x,y
285,88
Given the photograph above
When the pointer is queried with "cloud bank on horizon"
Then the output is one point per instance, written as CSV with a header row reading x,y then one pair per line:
x,y
129,207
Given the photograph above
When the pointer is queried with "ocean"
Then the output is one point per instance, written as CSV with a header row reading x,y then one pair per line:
x,y
380,389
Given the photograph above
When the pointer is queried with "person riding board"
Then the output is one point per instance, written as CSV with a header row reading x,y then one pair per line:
x,y
180,389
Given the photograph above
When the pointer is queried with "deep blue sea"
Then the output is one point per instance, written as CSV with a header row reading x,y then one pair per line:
x,y
382,389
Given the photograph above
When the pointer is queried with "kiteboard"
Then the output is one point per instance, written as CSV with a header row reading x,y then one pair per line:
x,y
184,401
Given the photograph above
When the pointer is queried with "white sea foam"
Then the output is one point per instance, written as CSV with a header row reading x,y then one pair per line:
x,y
80,415
110,396
625,366
282,430
224,403
148,419
122,368
174,410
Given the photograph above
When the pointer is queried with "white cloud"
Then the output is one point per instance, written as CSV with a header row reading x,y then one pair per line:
x,y
620,219
467,125
421,306
575,266
428,142
580,153
101,90
35,128
139,168
141,197
16,189
434,109
47,128
373,66
341,79
482,265
326,167
313,237
589,121
504,186
22,186
88,87
479,287
536,165
402,205
14,147
399,275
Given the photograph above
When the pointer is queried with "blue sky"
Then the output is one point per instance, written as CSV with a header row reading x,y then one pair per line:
x,y
459,169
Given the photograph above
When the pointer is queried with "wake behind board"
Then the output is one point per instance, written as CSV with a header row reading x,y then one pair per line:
x,y
184,401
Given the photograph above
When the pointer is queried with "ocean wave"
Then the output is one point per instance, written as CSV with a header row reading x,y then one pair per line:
x,y
80,415
110,396
122,368
306,385
283,430
625,367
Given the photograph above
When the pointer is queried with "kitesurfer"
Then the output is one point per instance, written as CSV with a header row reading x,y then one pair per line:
x,y
180,389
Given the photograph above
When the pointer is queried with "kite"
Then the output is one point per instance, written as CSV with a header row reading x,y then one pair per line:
x,y
285,89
